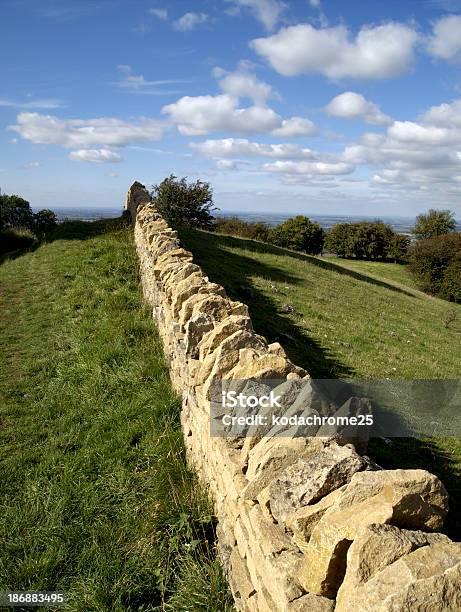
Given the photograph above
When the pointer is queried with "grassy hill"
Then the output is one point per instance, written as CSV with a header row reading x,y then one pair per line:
x,y
96,498
341,318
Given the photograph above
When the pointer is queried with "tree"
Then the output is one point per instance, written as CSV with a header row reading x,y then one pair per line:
x,y
184,204
364,240
299,234
15,212
44,221
434,223
429,260
397,248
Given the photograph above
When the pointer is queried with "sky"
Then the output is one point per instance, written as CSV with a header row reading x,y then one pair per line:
x,y
305,106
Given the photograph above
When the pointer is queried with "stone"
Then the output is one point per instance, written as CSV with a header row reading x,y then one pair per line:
x,y
254,364
356,434
185,289
377,546
196,328
406,498
221,330
271,455
312,603
303,520
427,579
311,478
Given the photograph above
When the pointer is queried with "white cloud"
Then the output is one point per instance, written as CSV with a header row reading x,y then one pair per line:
x,y
225,164
242,84
445,42
351,105
429,135
189,21
295,126
445,115
199,115
86,133
44,104
241,147
160,13
377,52
95,156
315,3
138,84
196,116
309,168
268,12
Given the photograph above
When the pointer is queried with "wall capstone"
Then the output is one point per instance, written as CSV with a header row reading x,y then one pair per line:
x,y
304,524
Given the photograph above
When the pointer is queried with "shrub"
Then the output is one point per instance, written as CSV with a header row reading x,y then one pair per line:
x,y
299,234
451,284
257,230
397,248
44,221
15,212
430,260
366,240
434,223
184,204
15,239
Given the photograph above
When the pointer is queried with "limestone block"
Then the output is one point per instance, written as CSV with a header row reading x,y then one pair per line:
x,y
309,479
271,455
303,520
427,579
377,546
312,603
407,498
221,330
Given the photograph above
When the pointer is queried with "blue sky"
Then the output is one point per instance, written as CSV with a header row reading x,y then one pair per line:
x,y
315,106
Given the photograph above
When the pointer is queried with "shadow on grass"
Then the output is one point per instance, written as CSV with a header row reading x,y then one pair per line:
x,y
234,272
261,247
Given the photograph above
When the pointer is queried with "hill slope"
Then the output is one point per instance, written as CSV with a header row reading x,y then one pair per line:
x,y
346,319
96,497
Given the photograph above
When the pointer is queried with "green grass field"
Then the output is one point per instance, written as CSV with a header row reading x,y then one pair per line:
x,y
96,498
350,319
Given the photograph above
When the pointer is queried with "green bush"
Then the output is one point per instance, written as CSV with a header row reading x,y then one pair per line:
x,y
366,240
434,223
184,204
44,221
430,260
299,234
15,212
15,239
451,284
256,230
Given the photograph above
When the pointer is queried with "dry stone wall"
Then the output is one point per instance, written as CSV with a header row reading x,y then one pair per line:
x,y
305,524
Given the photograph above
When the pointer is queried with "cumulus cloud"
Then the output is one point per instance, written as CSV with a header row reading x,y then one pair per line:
x,y
351,105
95,156
242,84
268,12
241,147
196,116
295,126
445,42
199,115
377,52
86,133
420,155
190,21
160,13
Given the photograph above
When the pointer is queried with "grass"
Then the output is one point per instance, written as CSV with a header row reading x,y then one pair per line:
x,y
96,498
349,319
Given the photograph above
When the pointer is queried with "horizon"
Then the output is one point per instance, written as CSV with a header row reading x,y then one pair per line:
x,y
346,110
